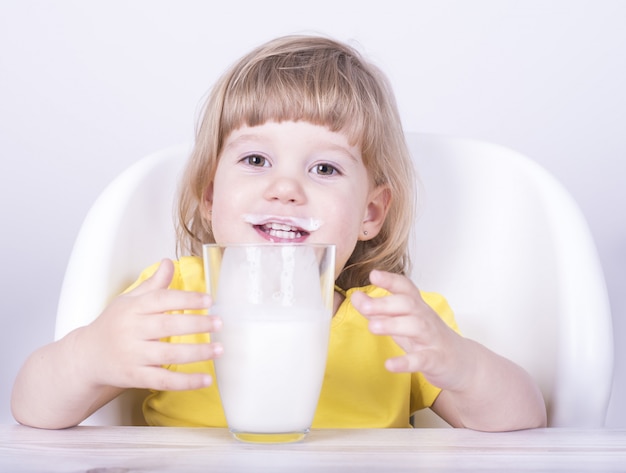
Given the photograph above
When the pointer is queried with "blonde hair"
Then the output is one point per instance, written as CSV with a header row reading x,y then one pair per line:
x,y
324,82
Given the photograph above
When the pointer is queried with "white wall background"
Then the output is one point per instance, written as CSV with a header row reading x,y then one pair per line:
x,y
87,88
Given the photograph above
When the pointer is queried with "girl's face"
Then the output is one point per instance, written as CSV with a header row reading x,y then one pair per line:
x,y
294,182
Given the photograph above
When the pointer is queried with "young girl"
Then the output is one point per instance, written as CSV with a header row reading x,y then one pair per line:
x,y
300,128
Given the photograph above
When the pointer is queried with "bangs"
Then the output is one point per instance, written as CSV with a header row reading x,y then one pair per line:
x,y
322,86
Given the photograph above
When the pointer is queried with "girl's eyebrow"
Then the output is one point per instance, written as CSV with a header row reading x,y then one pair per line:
x,y
243,139
342,150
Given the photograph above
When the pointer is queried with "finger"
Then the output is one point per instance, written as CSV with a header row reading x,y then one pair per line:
x,y
401,326
391,305
161,279
166,354
404,297
162,379
168,300
418,361
392,282
167,325
401,364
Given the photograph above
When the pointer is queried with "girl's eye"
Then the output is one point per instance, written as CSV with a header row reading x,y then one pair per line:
x,y
255,160
325,169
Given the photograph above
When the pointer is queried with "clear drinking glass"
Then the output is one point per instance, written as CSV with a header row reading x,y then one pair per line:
x,y
276,304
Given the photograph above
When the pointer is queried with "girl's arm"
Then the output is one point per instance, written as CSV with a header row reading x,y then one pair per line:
x,y
51,391
62,383
480,389
498,395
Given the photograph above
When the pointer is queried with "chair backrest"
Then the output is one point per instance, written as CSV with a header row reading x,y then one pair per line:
x,y
510,249
497,235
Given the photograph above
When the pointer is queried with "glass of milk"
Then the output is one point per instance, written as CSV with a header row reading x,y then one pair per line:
x,y
276,303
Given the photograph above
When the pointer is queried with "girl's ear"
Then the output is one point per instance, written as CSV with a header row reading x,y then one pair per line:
x,y
375,212
206,206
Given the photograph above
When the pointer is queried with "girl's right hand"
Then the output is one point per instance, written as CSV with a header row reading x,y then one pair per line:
x,y
123,347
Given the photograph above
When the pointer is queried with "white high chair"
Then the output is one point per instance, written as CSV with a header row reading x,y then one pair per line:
x,y
497,235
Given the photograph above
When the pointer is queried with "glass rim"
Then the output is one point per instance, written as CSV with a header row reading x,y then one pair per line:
x,y
268,244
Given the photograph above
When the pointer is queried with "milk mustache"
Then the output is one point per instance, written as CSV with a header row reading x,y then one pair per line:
x,y
276,307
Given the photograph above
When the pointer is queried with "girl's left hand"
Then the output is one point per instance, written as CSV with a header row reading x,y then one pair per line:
x,y
480,389
431,347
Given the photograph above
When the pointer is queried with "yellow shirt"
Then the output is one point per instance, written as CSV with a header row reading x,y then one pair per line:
x,y
357,392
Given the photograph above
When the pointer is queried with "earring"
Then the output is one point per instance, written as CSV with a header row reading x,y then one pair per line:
x,y
365,232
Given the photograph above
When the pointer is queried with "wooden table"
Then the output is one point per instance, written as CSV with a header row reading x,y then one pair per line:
x,y
126,449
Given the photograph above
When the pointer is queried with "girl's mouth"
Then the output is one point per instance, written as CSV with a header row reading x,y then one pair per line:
x,y
282,231
286,229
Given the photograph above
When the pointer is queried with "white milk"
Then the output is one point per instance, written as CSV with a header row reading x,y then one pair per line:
x,y
271,372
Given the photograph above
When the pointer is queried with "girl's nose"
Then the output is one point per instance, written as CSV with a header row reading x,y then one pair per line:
x,y
286,190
